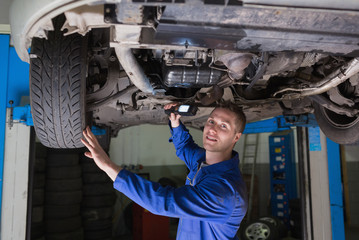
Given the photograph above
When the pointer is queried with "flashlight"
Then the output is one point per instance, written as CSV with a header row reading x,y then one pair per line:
x,y
183,110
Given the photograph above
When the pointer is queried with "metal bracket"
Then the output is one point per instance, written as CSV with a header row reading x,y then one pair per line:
x,y
21,115
280,123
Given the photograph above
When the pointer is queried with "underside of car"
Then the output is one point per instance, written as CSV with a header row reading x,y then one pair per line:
x,y
117,64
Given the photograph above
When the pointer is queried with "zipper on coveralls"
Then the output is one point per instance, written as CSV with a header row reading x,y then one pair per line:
x,y
191,183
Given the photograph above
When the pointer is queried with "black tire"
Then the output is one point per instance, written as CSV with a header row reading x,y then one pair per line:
x,y
62,159
58,67
90,167
96,178
282,229
60,212
97,189
99,235
63,185
339,128
39,180
38,197
258,229
98,201
97,225
37,214
63,198
40,151
63,172
93,214
37,230
74,235
40,164
63,225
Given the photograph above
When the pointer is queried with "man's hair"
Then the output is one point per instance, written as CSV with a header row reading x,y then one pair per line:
x,y
241,118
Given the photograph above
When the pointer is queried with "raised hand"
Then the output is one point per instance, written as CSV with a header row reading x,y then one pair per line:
x,y
174,118
99,156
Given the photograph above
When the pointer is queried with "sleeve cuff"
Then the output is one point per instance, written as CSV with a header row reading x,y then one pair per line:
x,y
119,179
176,130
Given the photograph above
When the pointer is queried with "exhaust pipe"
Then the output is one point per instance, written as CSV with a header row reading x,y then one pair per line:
x,y
134,70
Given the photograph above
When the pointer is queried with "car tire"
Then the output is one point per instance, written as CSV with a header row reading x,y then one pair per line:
x,y
64,172
92,214
38,197
77,234
98,201
282,229
63,185
339,128
58,67
63,225
61,212
259,229
63,198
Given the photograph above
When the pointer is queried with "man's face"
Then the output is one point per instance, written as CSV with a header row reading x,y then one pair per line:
x,y
220,132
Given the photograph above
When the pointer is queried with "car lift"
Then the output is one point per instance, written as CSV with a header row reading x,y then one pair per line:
x,y
319,221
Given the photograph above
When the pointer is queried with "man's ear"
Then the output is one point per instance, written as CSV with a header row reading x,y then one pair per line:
x,y
237,136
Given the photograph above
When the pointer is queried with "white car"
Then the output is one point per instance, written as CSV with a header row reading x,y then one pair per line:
x,y
116,63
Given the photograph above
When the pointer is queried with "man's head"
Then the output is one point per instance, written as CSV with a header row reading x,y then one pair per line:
x,y
223,128
240,117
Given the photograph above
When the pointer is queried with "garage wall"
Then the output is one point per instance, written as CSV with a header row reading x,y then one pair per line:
x,y
352,160
148,145
4,16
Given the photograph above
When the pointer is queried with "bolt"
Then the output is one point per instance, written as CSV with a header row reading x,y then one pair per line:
x,y
112,58
150,22
186,44
107,19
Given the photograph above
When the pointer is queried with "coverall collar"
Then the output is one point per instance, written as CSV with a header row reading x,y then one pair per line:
x,y
222,166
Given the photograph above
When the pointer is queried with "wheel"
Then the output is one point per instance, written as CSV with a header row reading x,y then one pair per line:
x,y
339,128
58,68
63,185
97,189
60,212
282,229
63,172
63,225
92,214
99,201
63,198
258,230
89,178
77,234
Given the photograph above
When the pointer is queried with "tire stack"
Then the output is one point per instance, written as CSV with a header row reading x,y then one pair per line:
x,y
38,197
98,201
63,196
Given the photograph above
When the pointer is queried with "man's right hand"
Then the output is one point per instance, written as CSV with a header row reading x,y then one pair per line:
x,y
99,156
174,118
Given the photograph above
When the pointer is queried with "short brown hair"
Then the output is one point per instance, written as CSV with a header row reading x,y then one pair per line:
x,y
241,118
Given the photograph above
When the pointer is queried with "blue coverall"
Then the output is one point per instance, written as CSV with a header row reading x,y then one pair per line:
x,y
210,206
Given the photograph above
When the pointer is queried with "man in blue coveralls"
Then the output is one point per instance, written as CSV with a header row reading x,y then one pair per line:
x,y
214,201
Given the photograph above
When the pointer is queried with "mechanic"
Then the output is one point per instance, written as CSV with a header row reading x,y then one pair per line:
x,y
214,201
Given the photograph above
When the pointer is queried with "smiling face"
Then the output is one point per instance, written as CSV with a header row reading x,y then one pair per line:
x,y
220,132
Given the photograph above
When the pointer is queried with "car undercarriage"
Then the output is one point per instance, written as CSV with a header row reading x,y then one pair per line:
x,y
117,64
